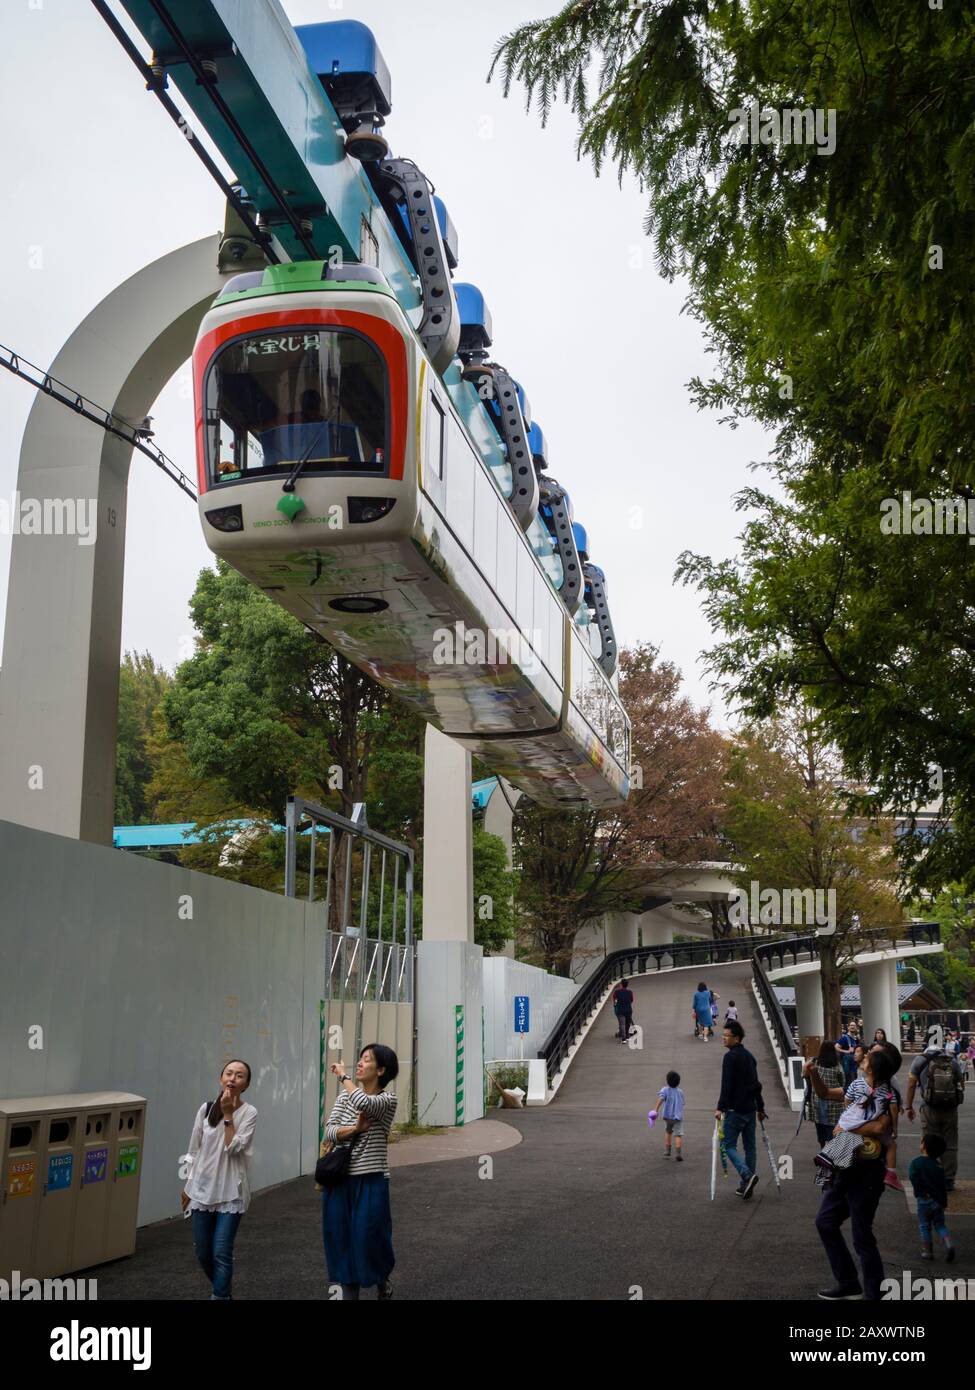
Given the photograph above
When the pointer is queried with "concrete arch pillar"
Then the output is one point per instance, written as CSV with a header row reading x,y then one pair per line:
x,y
62,644
878,998
620,930
809,1006
657,930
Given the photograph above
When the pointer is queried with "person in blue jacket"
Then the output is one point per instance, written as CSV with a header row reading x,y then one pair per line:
x,y
702,1011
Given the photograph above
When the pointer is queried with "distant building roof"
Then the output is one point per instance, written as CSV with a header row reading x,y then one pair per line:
x,y
481,792
850,995
173,836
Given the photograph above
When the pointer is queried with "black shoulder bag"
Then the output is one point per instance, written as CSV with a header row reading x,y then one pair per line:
x,y
333,1167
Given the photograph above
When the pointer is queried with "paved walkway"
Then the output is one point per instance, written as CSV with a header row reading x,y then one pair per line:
x,y
585,1207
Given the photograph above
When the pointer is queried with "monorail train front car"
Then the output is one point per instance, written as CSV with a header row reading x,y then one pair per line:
x,y
365,494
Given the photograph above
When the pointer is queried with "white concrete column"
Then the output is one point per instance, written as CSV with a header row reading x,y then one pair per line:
x,y
59,692
894,1035
498,819
809,1006
657,931
620,930
878,983
450,1057
448,876
449,988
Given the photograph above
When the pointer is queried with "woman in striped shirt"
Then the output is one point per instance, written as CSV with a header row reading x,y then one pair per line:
x,y
356,1223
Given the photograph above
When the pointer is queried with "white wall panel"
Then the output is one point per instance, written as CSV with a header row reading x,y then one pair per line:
x,y
132,997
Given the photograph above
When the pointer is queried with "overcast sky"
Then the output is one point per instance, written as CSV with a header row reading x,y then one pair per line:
x,y
98,179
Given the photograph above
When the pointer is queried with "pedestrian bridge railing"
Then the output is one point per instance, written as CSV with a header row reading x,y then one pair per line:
x,y
627,963
800,950
764,954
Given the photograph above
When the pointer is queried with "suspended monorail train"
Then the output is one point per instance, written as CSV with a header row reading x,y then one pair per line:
x,y
368,494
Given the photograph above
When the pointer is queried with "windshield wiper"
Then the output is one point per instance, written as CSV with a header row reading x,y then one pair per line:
x,y
289,485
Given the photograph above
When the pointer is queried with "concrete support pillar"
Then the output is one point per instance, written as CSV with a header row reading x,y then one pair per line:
x,y
498,819
878,985
449,985
59,693
448,877
894,1035
809,1006
449,1022
620,930
657,931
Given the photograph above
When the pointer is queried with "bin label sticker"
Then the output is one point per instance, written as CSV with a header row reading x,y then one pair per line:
x,y
96,1164
20,1178
128,1160
59,1170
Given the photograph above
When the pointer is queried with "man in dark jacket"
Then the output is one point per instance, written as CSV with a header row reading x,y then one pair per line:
x,y
739,1102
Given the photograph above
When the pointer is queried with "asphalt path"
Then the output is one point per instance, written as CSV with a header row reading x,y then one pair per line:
x,y
586,1206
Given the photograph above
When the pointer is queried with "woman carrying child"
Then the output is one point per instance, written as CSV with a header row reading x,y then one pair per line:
x,y
855,1191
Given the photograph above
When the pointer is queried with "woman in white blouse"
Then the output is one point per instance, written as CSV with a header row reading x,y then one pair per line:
x,y
217,1194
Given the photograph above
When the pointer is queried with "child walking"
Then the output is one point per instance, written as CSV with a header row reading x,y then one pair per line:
x,y
928,1180
671,1108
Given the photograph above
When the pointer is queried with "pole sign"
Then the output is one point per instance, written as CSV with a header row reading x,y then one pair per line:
x,y
521,1013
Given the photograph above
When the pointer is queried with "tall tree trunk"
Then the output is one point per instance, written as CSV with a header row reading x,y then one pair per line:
x,y
831,980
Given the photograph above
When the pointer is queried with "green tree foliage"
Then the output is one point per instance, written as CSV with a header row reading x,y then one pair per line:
x,y
835,290
952,973
494,888
263,709
788,831
142,686
577,865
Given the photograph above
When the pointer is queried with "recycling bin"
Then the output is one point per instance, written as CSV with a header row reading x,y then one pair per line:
x,y
123,1198
71,1172
59,1195
20,1154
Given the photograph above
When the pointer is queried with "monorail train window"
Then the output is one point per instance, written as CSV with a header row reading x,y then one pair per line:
x,y
273,400
435,436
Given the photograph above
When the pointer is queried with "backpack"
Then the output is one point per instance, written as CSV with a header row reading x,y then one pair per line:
x,y
940,1089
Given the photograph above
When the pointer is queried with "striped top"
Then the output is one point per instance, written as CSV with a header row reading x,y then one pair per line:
x,y
371,1151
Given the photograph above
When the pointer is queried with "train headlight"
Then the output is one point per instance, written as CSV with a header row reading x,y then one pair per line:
x,y
358,603
362,509
226,519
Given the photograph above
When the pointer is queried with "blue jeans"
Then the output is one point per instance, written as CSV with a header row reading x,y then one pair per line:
x,y
930,1214
736,1124
214,1233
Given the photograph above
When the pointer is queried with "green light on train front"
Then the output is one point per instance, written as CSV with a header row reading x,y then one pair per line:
x,y
291,505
